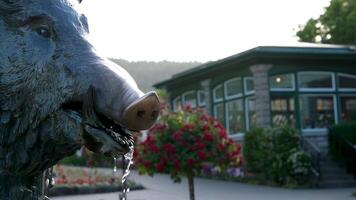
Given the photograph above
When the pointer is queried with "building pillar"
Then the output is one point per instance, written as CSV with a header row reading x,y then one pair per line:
x,y
206,88
260,79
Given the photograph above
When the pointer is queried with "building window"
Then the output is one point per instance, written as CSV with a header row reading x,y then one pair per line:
x,y
283,82
316,81
201,98
282,110
317,112
233,88
219,113
249,85
189,98
218,93
347,82
348,108
235,116
251,113
177,103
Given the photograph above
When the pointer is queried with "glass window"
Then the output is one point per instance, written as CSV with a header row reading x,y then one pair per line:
x,y
282,110
177,103
189,98
347,82
233,88
348,108
315,80
317,111
251,112
235,116
219,113
218,93
201,98
249,85
282,82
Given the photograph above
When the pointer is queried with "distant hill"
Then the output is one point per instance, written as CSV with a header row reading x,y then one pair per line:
x,y
147,73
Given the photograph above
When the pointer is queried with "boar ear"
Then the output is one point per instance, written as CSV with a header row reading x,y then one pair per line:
x,y
11,6
80,1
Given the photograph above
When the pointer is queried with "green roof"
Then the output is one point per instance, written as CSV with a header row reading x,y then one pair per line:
x,y
303,50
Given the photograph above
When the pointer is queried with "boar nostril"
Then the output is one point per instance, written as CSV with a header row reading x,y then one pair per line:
x,y
141,113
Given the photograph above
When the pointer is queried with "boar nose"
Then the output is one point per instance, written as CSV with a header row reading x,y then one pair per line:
x,y
142,113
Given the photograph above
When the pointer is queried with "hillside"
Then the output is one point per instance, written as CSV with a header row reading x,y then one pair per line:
x,y
148,73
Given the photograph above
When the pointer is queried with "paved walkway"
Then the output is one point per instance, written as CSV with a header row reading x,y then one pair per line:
x,y
160,187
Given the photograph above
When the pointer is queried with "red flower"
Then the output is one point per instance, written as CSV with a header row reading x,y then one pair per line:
x,y
201,155
169,148
176,165
90,163
199,144
160,166
187,127
208,137
190,162
177,135
222,133
153,148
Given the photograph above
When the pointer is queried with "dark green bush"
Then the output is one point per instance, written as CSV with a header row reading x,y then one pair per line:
x,y
254,151
275,154
337,135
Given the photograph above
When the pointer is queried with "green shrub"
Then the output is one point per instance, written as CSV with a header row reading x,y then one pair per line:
x,y
254,152
341,131
275,154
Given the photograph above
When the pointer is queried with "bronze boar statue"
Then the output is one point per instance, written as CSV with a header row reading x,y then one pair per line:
x,y
57,94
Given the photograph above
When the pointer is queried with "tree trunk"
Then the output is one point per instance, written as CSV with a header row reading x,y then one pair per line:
x,y
190,177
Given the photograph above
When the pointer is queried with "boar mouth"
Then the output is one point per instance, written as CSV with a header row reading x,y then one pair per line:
x,y
101,134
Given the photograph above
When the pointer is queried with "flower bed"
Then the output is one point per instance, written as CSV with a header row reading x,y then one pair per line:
x,y
83,180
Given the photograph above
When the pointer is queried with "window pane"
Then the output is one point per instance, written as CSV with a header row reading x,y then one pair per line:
x,y
233,87
251,107
235,116
282,110
283,81
190,99
318,80
317,111
201,95
348,108
219,93
249,85
347,81
177,103
219,113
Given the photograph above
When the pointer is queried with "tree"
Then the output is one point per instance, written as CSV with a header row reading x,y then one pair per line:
x,y
336,26
182,143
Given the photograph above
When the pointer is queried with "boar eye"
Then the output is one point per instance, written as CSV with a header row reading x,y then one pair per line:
x,y
43,31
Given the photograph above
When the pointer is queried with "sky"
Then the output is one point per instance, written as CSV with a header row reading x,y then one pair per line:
x,y
193,30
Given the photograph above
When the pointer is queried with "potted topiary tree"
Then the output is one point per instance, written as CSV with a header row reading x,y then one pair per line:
x,y
182,143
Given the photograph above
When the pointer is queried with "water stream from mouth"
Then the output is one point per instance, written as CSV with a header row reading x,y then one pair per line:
x,y
126,163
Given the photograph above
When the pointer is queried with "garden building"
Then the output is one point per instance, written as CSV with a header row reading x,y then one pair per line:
x,y
310,87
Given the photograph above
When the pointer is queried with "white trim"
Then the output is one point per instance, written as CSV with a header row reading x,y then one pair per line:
x,y
332,89
247,120
199,102
284,89
214,93
335,112
245,85
187,93
237,137
235,95
227,118
315,132
348,76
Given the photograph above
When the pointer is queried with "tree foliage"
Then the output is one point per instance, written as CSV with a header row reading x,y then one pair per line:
x,y
336,26
183,142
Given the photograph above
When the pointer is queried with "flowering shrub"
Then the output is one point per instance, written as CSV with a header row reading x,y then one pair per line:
x,y
275,153
183,142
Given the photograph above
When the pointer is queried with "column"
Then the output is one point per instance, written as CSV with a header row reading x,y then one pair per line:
x,y
260,78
